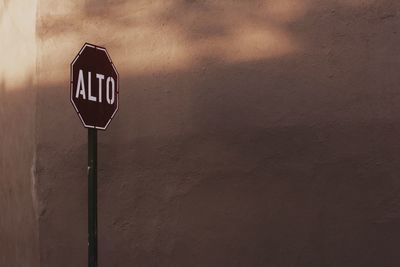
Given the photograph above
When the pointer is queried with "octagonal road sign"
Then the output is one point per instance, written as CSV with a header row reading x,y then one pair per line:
x,y
94,86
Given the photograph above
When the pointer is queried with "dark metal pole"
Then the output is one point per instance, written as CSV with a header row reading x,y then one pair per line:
x,y
92,196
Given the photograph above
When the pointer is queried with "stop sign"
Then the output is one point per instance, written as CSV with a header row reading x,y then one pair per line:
x,y
94,86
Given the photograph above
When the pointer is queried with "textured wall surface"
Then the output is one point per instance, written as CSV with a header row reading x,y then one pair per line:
x,y
250,133
18,221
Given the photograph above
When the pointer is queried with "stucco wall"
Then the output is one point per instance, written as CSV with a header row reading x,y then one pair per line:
x,y
250,133
18,221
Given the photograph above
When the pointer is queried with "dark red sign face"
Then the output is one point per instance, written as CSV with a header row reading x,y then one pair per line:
x,y
94,86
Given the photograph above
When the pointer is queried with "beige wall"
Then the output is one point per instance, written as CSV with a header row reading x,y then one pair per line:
x,y
18,221
250,133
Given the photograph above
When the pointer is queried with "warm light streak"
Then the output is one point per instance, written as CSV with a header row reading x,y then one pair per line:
x,y
17,43
148,36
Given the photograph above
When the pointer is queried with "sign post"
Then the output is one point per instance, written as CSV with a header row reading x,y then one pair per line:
x,y
92,196
94,94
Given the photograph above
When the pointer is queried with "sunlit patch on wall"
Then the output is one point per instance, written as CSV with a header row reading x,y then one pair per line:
x,y
17,43
165,36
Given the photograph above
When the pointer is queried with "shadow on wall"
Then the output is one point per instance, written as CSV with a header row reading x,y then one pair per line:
x,y
249,134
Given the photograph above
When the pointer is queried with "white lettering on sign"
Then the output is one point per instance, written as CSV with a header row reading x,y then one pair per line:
x,y
111,99
110,88
80,90
91,98
100,77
